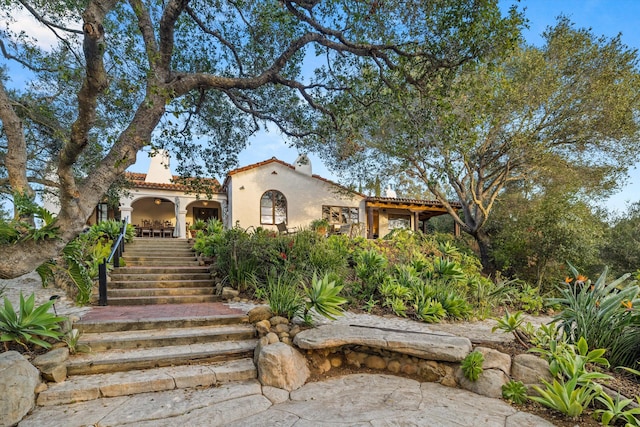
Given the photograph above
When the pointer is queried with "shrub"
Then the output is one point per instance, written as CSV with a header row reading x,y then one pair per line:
x,y
573,387
601,313
472,365
30,325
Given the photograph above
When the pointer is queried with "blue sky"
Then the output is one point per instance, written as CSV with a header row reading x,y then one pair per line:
x,y
604,17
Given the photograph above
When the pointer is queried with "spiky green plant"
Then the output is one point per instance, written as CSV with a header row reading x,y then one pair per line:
x,y
322,297
30,325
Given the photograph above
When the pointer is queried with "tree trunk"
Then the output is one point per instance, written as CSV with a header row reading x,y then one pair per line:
x,y
484,245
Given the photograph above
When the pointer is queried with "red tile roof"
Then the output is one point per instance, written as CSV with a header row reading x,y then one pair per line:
x,y
138,180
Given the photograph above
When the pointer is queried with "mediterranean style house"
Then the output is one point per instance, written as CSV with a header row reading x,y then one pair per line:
x,y
271,194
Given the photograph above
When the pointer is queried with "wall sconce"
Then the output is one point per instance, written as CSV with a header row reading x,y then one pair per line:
x,y
157,201
274,173
242,187
205,202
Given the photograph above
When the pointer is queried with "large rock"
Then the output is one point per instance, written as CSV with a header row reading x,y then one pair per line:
x,y
259,313
18,381
493,359
529,369
488,384
282,366
431,346
53,365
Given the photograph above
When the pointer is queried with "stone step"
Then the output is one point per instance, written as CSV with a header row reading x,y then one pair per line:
x,y
163,262
159,292
103,341
90,387
146,358
150,300
175,269
159,243
161,252
101,326
159,277
143,284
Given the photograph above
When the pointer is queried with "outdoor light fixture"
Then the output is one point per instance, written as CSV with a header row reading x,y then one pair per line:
x,y
242,188
205,202
157,201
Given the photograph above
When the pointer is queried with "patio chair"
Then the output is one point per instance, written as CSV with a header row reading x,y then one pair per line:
x,y
283,229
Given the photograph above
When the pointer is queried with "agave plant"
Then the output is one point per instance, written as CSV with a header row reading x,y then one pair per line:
x,y
30,324
322,296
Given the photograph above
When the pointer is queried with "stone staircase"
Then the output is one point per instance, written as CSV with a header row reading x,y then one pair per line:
x,y
142,343
160,271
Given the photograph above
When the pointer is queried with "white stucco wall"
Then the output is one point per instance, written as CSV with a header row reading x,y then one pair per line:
x,y
305,195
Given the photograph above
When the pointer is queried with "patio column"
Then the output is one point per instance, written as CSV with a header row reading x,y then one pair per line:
x,y
456,229
125,213
416,220
369,222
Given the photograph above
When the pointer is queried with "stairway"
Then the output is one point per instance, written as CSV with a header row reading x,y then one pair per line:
x,y
160,271
162,330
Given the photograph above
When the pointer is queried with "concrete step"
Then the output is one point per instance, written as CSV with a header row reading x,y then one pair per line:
x,y
90,387
159,277
159,292
101,326
144,284
103,341
119,360
149,300
159,243
156,270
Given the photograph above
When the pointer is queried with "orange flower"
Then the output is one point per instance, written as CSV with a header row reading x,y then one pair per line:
x,y
568,280
597,304
628,304
581,278
592,287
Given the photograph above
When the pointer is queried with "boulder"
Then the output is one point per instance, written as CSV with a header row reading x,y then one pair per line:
x,y
488,384
282,366
493,359
56,373
263,327
229,293
259,313
279,320
529,369
53,357
18,381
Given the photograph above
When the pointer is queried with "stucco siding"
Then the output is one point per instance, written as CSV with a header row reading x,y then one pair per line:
x,y
305,195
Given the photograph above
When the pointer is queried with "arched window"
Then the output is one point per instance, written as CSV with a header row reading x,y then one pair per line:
x,y
273,208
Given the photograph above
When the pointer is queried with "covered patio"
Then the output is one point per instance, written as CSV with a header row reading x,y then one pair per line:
x,y
387,213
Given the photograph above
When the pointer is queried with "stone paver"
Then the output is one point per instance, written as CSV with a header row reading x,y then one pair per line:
x,y
388,401
427,345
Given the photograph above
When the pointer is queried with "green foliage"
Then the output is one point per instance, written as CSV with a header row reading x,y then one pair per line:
x,y
621,249
322,297
472,365
603,313
512,323
617,410
198,224
515,391
31,324
24,227
283,296
574,386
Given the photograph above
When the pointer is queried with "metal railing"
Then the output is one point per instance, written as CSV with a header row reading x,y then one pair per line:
x,y
116,252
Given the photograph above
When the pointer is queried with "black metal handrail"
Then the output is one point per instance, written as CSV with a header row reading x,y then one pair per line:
x,y
116,252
